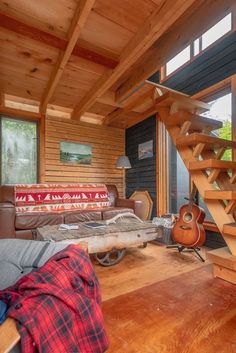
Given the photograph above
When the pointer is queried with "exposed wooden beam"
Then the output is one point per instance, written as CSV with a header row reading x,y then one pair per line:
x,y
56,42
130,106
2,98
81,15
18,113
110,118
209,93
135,120
181,34
157,24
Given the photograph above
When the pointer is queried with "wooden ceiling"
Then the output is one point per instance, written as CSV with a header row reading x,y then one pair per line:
x,y
88,59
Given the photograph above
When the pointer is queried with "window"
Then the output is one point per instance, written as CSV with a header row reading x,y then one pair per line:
x,y
178,180
18,151
198,45
179,60
221,109
221,28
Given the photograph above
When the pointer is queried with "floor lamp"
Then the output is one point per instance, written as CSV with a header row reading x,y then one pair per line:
x,y
123,163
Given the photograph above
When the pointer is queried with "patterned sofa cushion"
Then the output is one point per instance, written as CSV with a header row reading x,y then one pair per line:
x,y
59,198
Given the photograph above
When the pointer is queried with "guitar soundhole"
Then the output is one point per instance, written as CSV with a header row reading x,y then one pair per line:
x,y
188,217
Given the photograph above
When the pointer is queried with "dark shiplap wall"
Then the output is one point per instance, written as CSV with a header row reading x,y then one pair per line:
x,y
142,175
216,64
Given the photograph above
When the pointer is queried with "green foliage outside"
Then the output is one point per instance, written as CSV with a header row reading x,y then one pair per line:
x,y
19,148
226,133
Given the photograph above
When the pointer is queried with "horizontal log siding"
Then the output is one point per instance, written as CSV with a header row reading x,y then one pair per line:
x,y
142,175
107,145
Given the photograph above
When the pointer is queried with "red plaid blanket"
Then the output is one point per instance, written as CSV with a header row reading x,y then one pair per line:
x,y
57,307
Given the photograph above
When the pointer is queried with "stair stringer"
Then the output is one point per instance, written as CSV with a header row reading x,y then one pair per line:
x,y
215,207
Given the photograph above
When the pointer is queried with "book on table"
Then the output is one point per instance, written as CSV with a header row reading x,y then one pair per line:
x,y
68,227
94,225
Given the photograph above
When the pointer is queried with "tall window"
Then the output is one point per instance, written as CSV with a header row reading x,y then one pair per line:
x,y
178,180
221,109
18,151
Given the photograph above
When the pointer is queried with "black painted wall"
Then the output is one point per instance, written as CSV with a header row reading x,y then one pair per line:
x,y
142,175
212,66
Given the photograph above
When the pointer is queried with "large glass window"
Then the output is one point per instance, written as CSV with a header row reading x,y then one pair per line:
x,y
178,181
18,151
221,109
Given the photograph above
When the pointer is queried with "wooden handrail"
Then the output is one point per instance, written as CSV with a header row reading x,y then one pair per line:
x,y
9,336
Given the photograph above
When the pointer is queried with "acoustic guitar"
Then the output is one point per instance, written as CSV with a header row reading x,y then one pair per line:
x,y
188,230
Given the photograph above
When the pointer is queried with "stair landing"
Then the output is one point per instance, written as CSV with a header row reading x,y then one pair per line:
x,y
224,264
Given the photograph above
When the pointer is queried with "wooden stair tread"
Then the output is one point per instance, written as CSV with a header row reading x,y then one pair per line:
x,y
183,101
209,141
198,122
222,257
230,228
212,164
220,194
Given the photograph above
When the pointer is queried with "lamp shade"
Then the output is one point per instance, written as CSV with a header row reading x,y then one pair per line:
x,y
123,163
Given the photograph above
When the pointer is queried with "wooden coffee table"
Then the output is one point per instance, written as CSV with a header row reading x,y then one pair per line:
x,y
108,243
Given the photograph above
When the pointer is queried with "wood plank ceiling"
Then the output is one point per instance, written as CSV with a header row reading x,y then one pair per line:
x,y
86,57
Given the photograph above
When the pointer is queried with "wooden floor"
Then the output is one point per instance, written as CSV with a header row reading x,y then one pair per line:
x,y
159,301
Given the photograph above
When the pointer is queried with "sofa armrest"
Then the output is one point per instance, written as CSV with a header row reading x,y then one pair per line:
x,y
136,205
7,220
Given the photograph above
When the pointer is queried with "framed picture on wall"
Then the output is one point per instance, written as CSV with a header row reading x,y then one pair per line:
x,y
71,152
145,150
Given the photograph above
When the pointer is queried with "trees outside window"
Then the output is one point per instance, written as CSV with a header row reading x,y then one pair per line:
x,y
221,109
18,151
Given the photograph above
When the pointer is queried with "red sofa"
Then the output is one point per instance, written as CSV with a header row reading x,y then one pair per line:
x,y
18,222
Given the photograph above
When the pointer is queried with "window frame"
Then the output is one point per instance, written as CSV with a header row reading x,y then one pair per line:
x,y
6,116
163,73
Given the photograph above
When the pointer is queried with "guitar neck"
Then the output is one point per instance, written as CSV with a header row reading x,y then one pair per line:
x,y
192,197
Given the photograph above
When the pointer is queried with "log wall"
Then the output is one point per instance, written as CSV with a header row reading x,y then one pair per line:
x,y
107,145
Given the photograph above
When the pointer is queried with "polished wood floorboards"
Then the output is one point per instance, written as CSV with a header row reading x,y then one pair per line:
x,y
181,308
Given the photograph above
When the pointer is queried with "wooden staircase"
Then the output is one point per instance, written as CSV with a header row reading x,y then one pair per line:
x,y
214,178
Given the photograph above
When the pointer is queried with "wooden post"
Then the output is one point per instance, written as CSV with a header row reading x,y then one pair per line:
x,y
162,169
42,149
2,99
